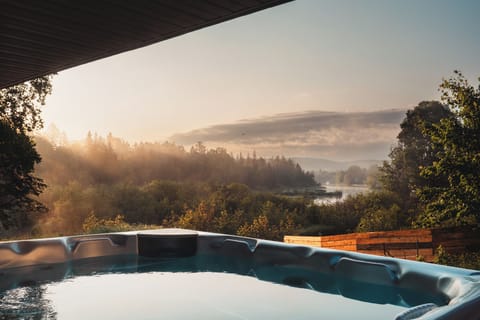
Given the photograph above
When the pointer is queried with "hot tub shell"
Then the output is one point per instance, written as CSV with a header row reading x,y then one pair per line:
x,y
455,291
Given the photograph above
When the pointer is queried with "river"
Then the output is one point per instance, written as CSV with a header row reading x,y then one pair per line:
x,y
346,191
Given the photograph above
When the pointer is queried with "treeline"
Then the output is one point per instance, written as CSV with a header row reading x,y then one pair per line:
x,y
110,160
106,184
353,175
160,184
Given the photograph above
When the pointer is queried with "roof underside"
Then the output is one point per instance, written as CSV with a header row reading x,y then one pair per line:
x,y
39,37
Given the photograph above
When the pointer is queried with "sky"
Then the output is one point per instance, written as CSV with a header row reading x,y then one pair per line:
x,y
320,134
298,60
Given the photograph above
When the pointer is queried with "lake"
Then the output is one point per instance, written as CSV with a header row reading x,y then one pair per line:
x,y
346,191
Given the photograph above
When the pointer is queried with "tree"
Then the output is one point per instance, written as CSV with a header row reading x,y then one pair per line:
x,y
354,175
456,145
414,151
19,117
372,179
259,228
20,104
17,159
382,219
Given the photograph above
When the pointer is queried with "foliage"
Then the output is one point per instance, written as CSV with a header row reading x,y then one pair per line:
x,y
413,151
253,214
353,175
452,188
217,208
19,116
20,104
372,211
112,161
259,228
373,178
467,260
200,218
325,177
382,219
17,183
162,184
264,227
377,211
94,225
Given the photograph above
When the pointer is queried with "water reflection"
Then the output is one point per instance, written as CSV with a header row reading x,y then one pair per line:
x,y
26,303
346,191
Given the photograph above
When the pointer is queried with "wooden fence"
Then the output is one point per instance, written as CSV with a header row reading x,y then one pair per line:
x,y
406,244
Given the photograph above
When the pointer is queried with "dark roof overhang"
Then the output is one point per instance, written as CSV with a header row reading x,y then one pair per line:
x,y
39,37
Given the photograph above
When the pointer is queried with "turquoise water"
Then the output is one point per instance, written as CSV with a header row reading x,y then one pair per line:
x,y
185,288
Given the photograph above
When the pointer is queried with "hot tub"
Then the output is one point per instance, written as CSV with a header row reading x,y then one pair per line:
x,y
182,274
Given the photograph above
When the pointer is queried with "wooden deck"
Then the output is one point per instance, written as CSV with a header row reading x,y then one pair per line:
x,y
406,244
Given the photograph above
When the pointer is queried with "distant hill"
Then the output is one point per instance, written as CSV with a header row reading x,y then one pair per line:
x,y
315,164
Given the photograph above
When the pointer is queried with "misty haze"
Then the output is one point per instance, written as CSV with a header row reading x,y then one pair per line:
x,y
346,137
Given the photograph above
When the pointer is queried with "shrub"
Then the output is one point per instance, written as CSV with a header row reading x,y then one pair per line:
x,y
94,225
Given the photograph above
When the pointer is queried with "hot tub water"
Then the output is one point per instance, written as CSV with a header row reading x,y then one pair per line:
x,y
182,288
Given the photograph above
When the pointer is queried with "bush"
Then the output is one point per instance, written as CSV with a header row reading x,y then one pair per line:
x,y
467,260
94,225
380,220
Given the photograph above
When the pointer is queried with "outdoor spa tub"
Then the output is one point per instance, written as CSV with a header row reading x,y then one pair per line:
x,y
183,274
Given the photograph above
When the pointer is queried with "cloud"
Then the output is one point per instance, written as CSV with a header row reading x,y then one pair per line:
x,y
334,135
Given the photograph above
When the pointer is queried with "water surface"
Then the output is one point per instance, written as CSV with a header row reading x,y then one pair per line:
x,y
346,192
194,288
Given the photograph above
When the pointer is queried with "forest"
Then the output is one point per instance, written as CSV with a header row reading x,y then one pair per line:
x,y
110,160
159,184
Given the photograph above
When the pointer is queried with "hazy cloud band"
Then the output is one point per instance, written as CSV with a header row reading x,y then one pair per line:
x,y
334,135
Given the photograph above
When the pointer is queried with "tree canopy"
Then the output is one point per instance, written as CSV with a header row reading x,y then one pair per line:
x,y
434,166
110,160
19,117
20,104
451,193
413,151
